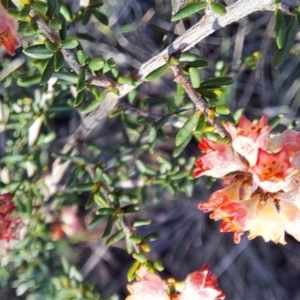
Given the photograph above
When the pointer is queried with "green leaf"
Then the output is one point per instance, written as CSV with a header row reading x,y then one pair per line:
x,y
201,124
81,56
157,73
216,82
188,10
13,159
222,109
115,237
28,80
55,24
141,222
38,52
282,53
96,221
158,265
199,63
219,8
40,6
182,146
86,16
152,236
58,61
52,7
195,77
140,257
78,98
50,45
130,208
24,13
108,227
275,121
187,129
93,105
69,43
131,272
105,211
96,64
48,71
135,239
126,80
96,3
208,94
66,76
81,81
280,28
188,57
65,11
100,17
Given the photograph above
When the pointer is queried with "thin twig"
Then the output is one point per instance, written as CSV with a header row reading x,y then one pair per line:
x,y
133,111
199,102
100,80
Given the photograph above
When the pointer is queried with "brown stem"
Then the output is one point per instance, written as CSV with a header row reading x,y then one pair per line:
x,y
200,104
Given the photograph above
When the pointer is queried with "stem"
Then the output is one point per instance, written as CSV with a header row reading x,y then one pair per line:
x,y
200,103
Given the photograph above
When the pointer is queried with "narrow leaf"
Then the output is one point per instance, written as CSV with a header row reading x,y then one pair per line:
x,y
280,28
131,273
219,8
69,43
199,63
195,77
48,71
187,129
188,11
81,81
208,94
38,52
282,53
181,147
157,73
217,82
115,237
58,61
78,98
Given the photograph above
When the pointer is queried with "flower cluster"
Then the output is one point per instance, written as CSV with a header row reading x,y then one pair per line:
x,y
10,225
8,31
261,186
200,285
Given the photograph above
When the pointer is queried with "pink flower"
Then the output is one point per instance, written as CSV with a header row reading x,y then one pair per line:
x,y
8,31
248,137
218,161
201,285
289,139
148,287
263,197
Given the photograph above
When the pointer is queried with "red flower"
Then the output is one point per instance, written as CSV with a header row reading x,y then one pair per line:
x,y
201,285
8,31
6,204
